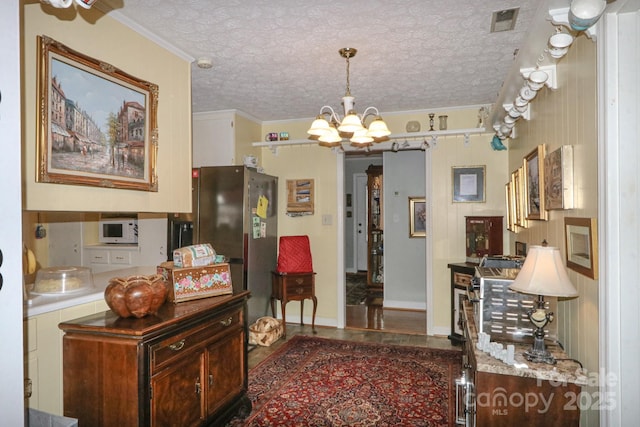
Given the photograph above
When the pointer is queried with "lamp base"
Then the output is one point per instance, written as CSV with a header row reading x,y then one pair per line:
x,y
539,353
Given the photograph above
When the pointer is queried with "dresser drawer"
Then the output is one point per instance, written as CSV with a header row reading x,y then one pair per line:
x,y
299,285
462,279
167,350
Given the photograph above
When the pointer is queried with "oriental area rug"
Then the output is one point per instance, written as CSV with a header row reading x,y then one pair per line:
x,y
313,381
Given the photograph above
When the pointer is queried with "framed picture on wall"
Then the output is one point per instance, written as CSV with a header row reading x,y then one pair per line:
x,y
97,125
417,217
581,240
468,184
521,249
558,178
533,185
517,197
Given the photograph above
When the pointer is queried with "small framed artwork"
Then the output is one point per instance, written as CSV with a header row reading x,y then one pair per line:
x,y
508,205
558,179
97,125
417,217
521,249
533,186
581,239
468,184
517,195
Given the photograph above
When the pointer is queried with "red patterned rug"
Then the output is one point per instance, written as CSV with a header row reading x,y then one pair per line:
x,y
313,381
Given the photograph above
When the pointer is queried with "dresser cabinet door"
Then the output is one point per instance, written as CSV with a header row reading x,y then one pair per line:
x,y
176,394
225,370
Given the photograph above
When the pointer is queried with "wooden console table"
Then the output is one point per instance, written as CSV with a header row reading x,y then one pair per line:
x,y
185,366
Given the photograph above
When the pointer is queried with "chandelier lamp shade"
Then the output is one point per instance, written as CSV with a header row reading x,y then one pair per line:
x,y
329,129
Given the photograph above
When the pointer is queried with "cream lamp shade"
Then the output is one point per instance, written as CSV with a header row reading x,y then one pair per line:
x,y
543,273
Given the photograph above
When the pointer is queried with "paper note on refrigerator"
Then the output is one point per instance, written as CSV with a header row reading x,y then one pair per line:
x,y
261,210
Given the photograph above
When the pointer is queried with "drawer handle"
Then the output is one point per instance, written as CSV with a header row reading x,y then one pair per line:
x,y
299,280
226,322
177,346
300,291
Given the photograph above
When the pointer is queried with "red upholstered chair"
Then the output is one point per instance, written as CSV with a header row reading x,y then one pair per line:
x,y
294,279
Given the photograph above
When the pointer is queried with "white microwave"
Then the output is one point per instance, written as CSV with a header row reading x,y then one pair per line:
x,y
118,230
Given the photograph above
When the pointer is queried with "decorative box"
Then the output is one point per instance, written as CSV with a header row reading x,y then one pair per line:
x,y
196,282
194,256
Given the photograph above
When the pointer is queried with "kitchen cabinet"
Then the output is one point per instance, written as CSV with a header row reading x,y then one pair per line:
x,y
213,140
223,138
184,366
43,354
101,258
375,235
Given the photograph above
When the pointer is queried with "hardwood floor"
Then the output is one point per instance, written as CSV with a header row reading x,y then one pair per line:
x,y
376,317
365,309
257,354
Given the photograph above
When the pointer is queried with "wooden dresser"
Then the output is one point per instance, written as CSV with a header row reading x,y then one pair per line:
x,y
185,366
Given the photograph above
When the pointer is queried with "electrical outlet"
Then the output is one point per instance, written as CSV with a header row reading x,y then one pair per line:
x,y
327,220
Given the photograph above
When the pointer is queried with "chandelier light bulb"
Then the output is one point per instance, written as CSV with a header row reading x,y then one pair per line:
x,y
352,123
319,127
378,128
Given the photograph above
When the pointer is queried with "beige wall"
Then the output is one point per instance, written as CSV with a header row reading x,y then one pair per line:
x,y
448,238
449,218
319,164
103,38
568,116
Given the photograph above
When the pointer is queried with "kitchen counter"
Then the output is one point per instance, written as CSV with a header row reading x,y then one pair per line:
x,y
39,304
565,371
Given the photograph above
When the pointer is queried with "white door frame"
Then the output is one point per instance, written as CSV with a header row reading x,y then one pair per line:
x,y
618,135
11,294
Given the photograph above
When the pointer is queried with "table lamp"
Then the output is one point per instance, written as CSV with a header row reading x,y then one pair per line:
x,y
542,274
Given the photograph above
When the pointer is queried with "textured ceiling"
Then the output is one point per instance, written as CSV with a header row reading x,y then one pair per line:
x,y
279,59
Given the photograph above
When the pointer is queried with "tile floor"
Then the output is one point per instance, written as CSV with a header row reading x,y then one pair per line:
x,y
257,354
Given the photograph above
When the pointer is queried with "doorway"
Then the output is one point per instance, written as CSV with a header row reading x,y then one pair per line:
x,y
365,310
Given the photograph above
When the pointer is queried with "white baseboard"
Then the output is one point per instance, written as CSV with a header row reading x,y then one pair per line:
x,y
405,305
441,331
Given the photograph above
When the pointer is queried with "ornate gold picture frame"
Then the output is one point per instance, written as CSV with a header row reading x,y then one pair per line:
x,y
97,125
417,217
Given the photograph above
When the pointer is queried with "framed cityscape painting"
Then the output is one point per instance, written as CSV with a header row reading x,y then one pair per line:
x,y
97,125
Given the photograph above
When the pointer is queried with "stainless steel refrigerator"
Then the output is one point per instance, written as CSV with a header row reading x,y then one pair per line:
x,y
235,210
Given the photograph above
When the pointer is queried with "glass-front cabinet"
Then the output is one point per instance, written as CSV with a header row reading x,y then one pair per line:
x,y
483,237
375,235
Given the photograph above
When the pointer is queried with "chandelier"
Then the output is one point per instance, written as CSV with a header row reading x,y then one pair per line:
x,y
329,129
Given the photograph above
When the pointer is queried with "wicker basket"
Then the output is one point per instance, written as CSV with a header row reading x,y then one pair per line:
x,y
265,331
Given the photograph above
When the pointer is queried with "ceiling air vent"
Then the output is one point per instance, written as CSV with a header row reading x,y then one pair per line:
x,y
504,20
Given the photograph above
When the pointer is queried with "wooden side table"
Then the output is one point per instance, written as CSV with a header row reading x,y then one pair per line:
x,y
287,287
